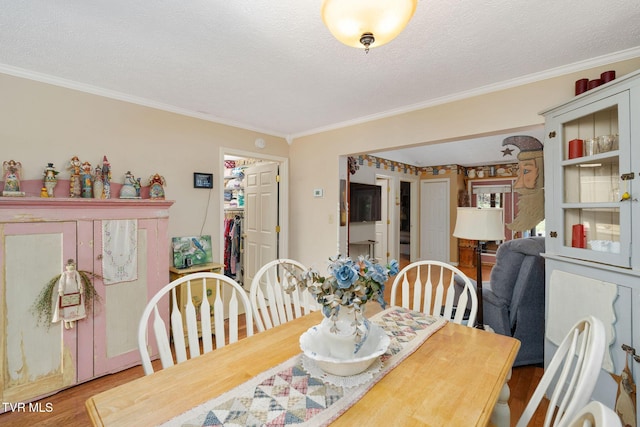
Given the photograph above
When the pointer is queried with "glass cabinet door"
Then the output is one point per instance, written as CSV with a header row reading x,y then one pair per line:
x,y
593,217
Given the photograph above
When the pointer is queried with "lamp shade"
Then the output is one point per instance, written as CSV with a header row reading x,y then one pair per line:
x,y
483,224
349,20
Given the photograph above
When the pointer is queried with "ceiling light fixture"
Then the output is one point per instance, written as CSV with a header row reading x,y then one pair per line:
x,y
367,23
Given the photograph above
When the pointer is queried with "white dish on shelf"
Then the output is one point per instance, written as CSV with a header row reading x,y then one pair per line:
x,y
315,348
605,246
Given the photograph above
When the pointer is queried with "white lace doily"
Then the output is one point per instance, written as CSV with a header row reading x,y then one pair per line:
x,y
315,371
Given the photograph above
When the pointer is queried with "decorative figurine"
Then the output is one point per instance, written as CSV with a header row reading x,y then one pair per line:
x,y
43,193
70,300
128,190
50,179
87,187
12,172
75,189
98,184
138,186
106,178
156,186
530,182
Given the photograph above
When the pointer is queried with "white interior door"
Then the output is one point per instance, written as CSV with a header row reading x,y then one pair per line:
x,y
381,248
434,220
260,218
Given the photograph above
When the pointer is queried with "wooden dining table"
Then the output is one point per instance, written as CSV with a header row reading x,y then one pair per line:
x,y
453,379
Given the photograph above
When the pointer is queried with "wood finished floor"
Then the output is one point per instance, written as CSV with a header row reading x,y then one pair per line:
x,y
68,405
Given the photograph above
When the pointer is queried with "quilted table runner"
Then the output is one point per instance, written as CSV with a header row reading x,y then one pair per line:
x,y
289,395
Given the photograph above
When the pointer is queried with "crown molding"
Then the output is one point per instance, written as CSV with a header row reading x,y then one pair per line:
x,y
507,84
95,90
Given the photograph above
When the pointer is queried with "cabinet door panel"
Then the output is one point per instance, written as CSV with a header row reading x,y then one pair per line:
x,y
593,223
619,332
36,359
116,320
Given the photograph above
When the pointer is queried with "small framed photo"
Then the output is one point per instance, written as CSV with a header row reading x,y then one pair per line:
x,y
202,180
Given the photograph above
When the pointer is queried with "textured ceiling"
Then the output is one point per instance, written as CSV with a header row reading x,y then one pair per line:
x,y
272,66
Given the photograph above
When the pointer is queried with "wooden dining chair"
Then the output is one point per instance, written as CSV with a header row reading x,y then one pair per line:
x,y
429,287
272,305
571,376
595,414
229,301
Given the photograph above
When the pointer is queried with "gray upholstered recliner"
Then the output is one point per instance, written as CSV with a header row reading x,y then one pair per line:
x,y
514,299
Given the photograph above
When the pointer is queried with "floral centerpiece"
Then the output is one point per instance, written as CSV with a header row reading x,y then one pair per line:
x,y
348,286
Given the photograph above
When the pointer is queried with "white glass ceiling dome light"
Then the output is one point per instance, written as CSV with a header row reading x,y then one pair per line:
x,y
367,23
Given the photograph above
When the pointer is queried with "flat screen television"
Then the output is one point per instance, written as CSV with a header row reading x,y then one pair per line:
x,y
365,202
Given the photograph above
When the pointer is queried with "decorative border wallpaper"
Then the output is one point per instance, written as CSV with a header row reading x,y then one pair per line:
x,y
390,165
503,170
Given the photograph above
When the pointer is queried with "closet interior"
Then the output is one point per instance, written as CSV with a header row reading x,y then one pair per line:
x,y
234,216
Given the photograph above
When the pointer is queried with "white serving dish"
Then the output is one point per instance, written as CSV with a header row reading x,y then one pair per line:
x,y
605,246
315,348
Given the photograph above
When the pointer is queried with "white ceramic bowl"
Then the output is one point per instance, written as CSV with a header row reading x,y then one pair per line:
x,y
314,348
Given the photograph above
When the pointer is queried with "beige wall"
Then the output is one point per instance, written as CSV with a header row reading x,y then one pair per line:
x,y
313,230
42,123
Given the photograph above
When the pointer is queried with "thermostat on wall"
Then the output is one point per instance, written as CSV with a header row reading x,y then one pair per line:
x,y
318,192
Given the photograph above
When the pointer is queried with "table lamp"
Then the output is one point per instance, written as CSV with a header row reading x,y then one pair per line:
x,y
481,224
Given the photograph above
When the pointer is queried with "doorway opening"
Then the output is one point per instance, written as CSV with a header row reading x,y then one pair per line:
x,y
254,219
384,234
405,221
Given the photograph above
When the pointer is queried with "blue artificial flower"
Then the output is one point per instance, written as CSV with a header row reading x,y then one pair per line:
x,y
394,267
348,283
326,311
346,274
367,263
377,273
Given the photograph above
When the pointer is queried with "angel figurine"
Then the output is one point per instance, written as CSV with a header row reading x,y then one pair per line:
x,y
70,297
156,186
11,172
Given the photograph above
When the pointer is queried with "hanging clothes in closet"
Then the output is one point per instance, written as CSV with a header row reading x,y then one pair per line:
x,y
233,246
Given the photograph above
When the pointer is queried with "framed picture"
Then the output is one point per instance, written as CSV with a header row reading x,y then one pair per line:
x,y
191,250
202,180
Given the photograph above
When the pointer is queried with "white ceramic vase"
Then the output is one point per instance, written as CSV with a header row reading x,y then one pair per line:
x,y
342,342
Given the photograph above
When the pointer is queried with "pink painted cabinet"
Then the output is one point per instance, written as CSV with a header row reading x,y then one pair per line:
x,y
37,236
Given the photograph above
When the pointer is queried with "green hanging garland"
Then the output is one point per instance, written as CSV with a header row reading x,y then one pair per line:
x,y
43,306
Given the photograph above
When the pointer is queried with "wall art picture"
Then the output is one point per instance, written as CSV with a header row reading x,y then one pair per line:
x,y
191,250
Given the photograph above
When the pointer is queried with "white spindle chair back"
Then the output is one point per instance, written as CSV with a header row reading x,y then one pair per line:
x,y
229,299
272,305
429,287
571,376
